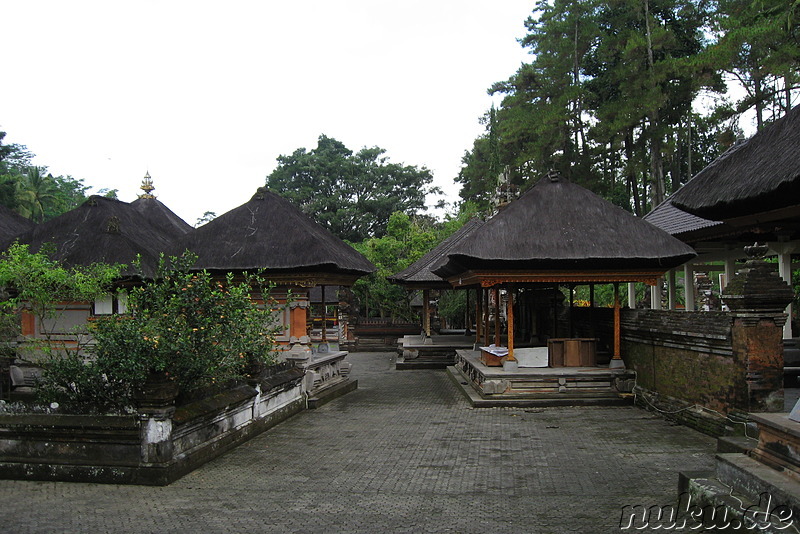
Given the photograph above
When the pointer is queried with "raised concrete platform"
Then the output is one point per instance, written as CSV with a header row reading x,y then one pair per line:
x,y
434,352
758,488
743,495
538,386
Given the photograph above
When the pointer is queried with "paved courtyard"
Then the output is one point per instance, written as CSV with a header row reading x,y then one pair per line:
x,y
404,453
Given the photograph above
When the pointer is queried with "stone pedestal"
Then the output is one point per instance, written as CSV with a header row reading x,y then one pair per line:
x,y
757,297
156,406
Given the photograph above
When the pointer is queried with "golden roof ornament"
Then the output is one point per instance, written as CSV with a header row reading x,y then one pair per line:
x,y
147,186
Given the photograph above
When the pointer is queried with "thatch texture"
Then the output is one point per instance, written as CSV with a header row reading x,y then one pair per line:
x,y
161,217
419,275
270,233
12,224
677,222
101,230
757,175
557,225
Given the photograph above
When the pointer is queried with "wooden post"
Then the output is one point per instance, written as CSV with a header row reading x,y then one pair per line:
x,y
496,316
555,310
616,361
478,314
571,304
510,313
426,312
466,316
324,317
486,317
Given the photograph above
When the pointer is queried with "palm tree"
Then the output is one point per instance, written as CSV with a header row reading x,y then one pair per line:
x,y
35,193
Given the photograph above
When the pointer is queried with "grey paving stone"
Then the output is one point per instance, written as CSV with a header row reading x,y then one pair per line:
x,y
403,453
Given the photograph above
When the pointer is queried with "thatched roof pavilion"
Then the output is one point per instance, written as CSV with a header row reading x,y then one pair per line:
x,y
269,233
12,224
418,275
101,230
561,232
759,175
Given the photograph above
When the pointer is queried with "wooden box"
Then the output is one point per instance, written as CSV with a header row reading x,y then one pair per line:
x,y
491,360
572,352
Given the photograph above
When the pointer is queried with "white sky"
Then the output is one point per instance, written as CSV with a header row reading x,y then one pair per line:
x,y
205,95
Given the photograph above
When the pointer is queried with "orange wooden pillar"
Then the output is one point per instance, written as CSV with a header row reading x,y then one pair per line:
x,y
496,316
616,360
510,314
486,317
298,319
478,315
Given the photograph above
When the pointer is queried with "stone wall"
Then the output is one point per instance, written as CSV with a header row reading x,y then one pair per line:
x,y
685,355
704,369
154,447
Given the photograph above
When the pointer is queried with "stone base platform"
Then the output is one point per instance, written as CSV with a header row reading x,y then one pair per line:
x,y
744,494
435,352
539,386
760,488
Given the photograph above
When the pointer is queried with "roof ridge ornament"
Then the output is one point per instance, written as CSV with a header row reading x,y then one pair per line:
x,y
553,175
261,193
147,186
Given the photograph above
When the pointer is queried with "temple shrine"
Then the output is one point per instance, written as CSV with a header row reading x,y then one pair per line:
x,y
556,235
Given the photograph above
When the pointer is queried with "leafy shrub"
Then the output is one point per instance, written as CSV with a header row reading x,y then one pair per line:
x,y
35,283
197,329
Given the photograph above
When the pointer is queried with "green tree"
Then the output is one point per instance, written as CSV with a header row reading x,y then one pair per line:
x,y
13,159
41,196
542,120
36,192
606,100
207,217
405,241
351,194
759,47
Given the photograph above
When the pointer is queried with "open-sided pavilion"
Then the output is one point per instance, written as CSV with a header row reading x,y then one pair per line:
x,y
427,350
557,234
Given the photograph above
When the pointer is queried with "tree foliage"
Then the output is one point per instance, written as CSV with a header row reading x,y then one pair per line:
x,y
37,284
351,194
33,192
610,96
196,329
406,240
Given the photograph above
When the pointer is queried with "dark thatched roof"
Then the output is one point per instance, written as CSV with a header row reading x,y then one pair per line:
x,y
270,233
677,222
757,175
12,224
161,216
557,225
101,230
419,274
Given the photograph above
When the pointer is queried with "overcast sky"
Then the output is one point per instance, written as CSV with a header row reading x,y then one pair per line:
x,y
206,95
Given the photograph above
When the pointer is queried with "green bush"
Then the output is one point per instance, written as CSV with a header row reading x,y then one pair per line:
x,y
197,329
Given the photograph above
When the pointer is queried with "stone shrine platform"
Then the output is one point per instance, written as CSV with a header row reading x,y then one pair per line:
x,y
432,352
539,386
